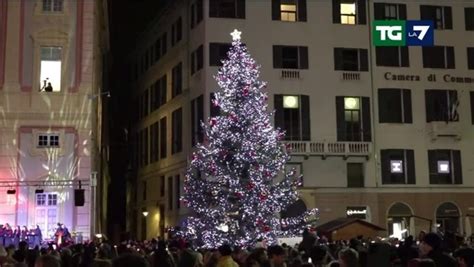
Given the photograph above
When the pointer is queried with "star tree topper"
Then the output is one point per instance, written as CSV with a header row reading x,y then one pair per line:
x,y
236,35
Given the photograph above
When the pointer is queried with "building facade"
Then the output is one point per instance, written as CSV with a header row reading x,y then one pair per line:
x,y
51,100
380,133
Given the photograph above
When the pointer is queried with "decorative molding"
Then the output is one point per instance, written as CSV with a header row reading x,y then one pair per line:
x,y
47,152
3,38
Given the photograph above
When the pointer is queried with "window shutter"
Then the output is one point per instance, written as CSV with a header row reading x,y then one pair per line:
x,y
213,7
341,131
164,44
379,11
301,10
450,64
214,54
470,58
407,112
193,62
199,11
426,13
385,162
433,168
279,115
364,60
429,102
200,57
366,122
200,118
402,12
471,94
193,12
361,13
410,165
276,12
404,56
448,18
303,57
383,107
338,64
194,126
469,18
173,34
305,118
214,111
241,9
457,166
336,11
277,57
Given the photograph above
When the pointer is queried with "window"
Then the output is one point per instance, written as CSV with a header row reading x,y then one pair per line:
x,y
471,95
144,190
398,166
197,57
52,199
160,47
353,119
395,106
176,31
445,166
350,59
355,175
177,80
290,57
158,93
196,13
217,53
178,192
177,131
470,58
48,140
170,193
52,5
469,18
292,116
145,103
162,186
440,15
50,69
387,11
40,199
197,116
213,109
46,199
289,10
227,9
154,142
163,139
349,11
144,149
441,105
392,56
438,57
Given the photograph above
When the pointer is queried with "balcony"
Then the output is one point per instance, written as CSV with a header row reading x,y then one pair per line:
x,y
350,76
328,149
439,129
290,74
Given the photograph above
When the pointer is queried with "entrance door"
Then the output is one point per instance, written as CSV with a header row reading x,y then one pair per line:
x,y
46,215
447,218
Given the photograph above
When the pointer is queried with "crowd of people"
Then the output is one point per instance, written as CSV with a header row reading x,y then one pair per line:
x,y
427,250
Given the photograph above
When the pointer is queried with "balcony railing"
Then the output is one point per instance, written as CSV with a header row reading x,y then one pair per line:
x,y
290,74
351,76
343,149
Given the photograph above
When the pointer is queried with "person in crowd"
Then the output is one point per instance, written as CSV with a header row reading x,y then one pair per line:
x,y
162,257
129,260
211,258
276,257
47,261
309,239
430,247
465,257
348,257
225,259
407,251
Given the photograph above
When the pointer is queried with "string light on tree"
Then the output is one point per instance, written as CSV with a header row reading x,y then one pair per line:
x,y
231,182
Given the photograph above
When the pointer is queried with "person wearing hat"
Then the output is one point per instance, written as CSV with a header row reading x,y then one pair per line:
x,y
430,247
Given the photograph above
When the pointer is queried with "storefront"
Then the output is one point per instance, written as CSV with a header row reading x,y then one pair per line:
x,y
398,220
448,218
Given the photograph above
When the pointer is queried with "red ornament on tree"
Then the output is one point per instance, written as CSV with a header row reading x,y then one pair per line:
x,y
245,91
250,186
213,122
238,194
266,228
263,197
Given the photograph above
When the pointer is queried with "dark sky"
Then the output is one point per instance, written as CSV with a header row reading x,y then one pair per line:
x,y
127,19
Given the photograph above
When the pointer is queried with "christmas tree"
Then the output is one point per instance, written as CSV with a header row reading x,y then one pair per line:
x,y
231,182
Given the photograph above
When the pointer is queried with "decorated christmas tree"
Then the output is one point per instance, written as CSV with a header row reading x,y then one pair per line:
x,y
232,185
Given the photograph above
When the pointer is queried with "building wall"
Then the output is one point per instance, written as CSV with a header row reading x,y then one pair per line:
x,y
73,111
325,178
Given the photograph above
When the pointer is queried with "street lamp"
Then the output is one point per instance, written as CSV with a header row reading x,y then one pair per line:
x,y
145,213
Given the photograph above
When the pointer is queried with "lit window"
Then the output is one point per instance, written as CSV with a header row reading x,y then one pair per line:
x,y
396,166
443,166
290,102
351,103
288,12
52,5
348,12
50,69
